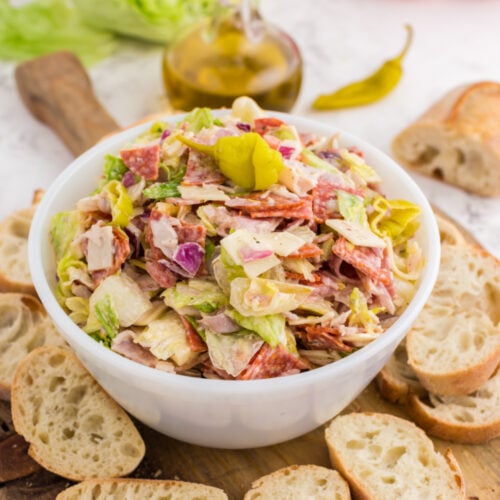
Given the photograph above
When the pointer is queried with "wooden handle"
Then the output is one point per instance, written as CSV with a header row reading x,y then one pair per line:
x,y
58,91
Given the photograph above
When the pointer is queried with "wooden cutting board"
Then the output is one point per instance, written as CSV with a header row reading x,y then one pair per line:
x,y
41,84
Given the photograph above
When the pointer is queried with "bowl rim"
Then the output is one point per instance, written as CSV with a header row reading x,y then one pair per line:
x,y
132,369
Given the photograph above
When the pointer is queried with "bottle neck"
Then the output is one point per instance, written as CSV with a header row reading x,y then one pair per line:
x,y
238,15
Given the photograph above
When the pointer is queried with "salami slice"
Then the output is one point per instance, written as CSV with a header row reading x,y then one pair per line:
x,y
264,125
143,160
195,342
160,273
306,251
273,362
367,260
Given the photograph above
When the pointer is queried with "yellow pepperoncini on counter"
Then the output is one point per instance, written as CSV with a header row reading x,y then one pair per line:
x,y
372,88
247,159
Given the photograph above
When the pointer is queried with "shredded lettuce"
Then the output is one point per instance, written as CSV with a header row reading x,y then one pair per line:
x,y
313,160
396,219
63,271
260,297
198,119
120,202
127,300
202,295
166,339
233,352
352,208
64,227
270,328
78,309
357,165
107,316
360,314
114,168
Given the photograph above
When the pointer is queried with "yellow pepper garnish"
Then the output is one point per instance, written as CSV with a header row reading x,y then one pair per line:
x,y
121,204
372,88
247,159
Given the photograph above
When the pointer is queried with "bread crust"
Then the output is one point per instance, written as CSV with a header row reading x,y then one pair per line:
x,y
40,368
458,137
148,489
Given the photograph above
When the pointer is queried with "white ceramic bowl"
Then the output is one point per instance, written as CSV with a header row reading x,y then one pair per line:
x,y
220,413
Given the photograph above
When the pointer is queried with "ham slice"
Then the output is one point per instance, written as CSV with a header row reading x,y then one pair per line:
x,y
124,344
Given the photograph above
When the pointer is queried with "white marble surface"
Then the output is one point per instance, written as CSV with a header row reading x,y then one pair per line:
x,y
455,41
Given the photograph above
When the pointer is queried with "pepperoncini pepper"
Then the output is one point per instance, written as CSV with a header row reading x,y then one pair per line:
x,y
372,88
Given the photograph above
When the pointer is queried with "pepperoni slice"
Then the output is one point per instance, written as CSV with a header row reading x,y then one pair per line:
x,y
323,337
160,273
143,160
306,251
191,233
121,249
264,125
367,260
195,342
273,362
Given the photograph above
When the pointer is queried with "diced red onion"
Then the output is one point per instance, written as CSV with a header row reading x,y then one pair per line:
x,y
246,127
164,135
189,256
128,179
286,151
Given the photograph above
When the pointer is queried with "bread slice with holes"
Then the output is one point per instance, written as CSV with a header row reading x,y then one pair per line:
x,y
382,456
118,489
454,346
449,233
300,481
472,418
14,230
24,326
74,428
397,380
457,139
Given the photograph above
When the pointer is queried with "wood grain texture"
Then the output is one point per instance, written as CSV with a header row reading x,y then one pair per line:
x,y
57,91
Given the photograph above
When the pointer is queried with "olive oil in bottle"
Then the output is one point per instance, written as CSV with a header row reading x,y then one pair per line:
x,y
235,53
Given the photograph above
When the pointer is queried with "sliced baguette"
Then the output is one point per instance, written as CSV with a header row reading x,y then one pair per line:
x,y
454,346
74,428
449,233
118,489
24,326
457,139
397,380
14,230
473,419
383,457
300,481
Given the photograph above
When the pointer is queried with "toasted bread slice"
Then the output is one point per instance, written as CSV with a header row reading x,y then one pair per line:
x,y
118,489
454,140
397,380
449,233
383,456
454,346
474,418
300,481
14,230
74,428
24,326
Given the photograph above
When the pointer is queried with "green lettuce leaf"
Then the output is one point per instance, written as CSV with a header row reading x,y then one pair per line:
x,y
64,227
270,328
153,20
199,119
107,316
352,208
360,314
44,26
114,168
202,295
